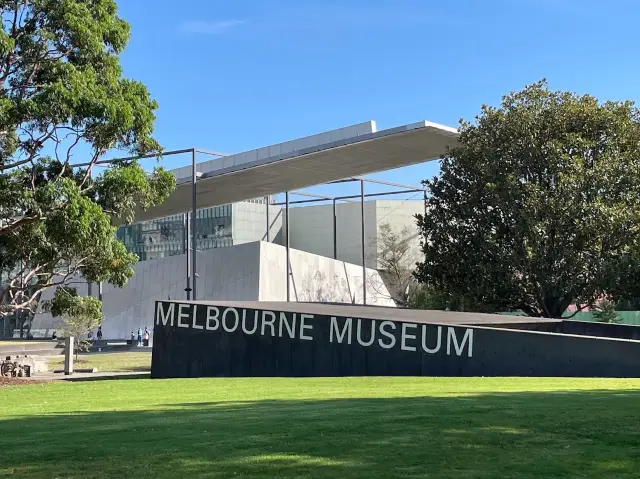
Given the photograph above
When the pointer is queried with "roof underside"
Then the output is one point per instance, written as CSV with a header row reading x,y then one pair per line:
x,y
369,152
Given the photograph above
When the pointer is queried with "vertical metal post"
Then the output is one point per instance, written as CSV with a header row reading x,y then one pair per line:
x,y
335,231
68,355
364,265
100,291
194,179
425,203
266,199
286,235
185,233
188,254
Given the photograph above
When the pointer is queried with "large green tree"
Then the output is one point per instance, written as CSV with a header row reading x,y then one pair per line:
x,y
64,101
538,206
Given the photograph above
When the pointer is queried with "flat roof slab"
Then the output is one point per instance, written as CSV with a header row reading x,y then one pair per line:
x,y
357,150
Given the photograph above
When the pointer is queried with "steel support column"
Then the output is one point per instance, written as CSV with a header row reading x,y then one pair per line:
x,y
194,180
187,249
425,203
286,235
335,231
266,199
364,265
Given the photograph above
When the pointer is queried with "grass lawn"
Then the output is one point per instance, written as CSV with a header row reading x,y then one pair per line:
x,y
330,427
108,362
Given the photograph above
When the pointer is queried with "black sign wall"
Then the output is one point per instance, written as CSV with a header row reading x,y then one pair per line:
x,y
194,340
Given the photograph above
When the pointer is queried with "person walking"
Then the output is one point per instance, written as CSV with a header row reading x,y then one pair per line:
x,y
99,333
146,337
139,337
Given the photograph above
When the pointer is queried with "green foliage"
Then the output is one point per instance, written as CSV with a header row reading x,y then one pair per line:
x,y
430,297
64,98
80,313
538,207
606,313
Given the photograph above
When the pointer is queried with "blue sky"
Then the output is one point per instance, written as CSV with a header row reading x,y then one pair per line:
x,y
235,75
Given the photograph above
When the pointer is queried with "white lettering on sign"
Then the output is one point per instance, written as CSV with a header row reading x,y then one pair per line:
x,y
244,322
291,328
164,316
405,335
359,333
303,327
424,340
451,338
346,330
384,334
392,339
212,315
269,322
236,317
183,314
195,316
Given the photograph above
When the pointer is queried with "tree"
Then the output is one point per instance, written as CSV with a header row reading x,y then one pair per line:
x,y
538,206
396,262
64,98
606,312
81,314
430,297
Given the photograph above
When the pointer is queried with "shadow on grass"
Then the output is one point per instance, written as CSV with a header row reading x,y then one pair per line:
x,y
111,376
524,435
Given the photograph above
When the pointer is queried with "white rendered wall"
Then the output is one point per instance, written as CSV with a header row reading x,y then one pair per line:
x,y
249,222
399,215
316,278
311,228
224,273
251,272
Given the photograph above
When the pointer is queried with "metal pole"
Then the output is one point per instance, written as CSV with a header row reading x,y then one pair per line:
x,y
425,204
194,179
188,253
286,234
266,199
185,233
335,232
364,266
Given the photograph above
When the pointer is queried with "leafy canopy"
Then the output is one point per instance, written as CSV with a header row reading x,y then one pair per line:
x,y
538,207
81,314
64,101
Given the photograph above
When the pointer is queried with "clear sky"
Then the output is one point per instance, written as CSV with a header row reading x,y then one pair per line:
x,y
235,75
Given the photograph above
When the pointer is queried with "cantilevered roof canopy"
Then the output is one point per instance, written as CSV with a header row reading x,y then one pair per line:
x,y
314,160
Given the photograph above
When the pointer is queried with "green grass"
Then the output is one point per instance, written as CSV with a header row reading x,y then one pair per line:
x,y
331,427
108,362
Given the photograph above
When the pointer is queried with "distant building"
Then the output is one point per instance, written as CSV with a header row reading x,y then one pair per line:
x,y
311,229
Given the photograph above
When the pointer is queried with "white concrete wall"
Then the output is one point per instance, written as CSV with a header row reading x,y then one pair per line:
x,y
249,222
252,272
400,214
316,278
311,228
224,273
